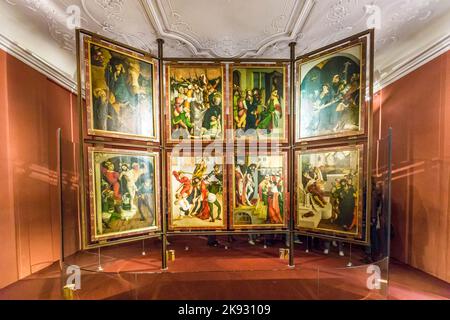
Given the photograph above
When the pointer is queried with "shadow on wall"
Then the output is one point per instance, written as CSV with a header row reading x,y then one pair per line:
x,y
417,221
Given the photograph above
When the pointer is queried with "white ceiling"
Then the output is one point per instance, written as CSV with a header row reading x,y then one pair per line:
x,y
227,28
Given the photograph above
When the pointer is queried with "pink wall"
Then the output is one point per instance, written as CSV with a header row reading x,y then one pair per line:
x,y
8,254
32,108
417,107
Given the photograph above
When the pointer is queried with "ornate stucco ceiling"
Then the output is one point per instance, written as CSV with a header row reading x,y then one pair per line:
x,y
227,28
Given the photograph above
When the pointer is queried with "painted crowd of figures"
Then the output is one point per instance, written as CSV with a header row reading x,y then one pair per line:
x,y
127,191
120,90
121,100
196,107
336,106
343,196
197,193
331,95
251,113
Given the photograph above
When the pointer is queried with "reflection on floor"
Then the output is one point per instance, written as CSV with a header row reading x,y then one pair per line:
x,y
240,272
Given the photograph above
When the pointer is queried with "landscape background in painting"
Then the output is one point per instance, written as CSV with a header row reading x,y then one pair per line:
x,y
121,93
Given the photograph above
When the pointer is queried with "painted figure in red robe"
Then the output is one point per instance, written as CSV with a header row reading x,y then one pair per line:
x,y
186,185
112,177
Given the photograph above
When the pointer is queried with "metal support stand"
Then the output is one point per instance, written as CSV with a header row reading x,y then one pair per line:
x,y
67,293
292,158
144,253
81,169
318,283
163,156
99,267
350,263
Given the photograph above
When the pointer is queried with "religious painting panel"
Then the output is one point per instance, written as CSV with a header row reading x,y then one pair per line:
x,y
197,191
331,95
121,92
330,192
260,102
195,103
260,190
124,193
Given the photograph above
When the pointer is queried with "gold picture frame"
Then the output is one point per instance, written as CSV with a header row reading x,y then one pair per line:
x,y
327,180
132,79
269,209
246,121
327,95
205,199
198,76
106,185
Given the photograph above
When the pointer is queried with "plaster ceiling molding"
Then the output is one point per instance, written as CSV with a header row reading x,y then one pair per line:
x,y
338,19
402,67
39,64
411,32
120,20
278,50
401,21
343,18
106,14
176,48
53,13
400,17
414,49
231,28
